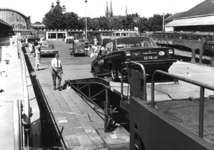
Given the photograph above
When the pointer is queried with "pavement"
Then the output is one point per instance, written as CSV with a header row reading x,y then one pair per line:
x,y
11,87
79,126
11,84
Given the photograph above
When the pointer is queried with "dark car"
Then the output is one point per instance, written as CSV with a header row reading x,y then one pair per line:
x,y
113,54
77,48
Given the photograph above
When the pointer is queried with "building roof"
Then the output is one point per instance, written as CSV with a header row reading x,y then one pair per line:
x,y
4,23
37,25
204,8
193,21
201,14
173,16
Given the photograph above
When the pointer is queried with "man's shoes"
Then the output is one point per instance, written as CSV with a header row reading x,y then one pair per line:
x,y
60,89
54,88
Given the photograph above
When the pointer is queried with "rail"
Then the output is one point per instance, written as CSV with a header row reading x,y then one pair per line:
x,y
87,84
25,96
17,128
144,77
202,88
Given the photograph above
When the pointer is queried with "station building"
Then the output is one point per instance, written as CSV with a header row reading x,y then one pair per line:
x,y
18,21
198,18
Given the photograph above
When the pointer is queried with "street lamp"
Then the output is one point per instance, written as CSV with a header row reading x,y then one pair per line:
x,y
86,19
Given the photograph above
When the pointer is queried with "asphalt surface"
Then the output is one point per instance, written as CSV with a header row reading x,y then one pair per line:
x,y
73,68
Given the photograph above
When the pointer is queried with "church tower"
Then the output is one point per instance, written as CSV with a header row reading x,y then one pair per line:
x,y
126,10
107,11
111,10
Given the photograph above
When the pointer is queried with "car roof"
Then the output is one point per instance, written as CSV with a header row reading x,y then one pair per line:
x,y
127,38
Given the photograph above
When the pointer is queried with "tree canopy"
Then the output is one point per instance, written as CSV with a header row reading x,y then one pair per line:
x,y
70,20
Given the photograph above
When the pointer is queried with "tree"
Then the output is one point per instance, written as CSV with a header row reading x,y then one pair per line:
x,y
143,24
103,23
155,23
54,20
128,22
72,21
115,24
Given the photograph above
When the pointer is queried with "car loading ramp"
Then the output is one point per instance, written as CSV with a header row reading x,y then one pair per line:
x,y
119,105
80,127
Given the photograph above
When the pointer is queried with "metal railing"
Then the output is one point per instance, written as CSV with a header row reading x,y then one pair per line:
x,y
202,88
128,64
17,128
26,115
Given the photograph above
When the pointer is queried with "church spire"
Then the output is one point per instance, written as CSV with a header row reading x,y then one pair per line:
x,y
111,10
126,10
57,2
107,11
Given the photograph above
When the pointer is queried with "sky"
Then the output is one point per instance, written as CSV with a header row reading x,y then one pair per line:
x,y
96,8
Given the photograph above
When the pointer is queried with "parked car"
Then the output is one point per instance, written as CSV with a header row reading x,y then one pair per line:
x,y
77,48
47,48
116,51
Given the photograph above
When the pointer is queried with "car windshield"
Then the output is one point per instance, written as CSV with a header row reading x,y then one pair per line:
x,y
135,42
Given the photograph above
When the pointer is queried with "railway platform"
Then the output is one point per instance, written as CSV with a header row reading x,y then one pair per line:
x,y
11,88
76,124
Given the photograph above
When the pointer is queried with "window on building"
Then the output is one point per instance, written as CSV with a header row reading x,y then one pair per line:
x,y
52,35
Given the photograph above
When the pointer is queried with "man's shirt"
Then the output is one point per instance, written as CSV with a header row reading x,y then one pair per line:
x,y
56,63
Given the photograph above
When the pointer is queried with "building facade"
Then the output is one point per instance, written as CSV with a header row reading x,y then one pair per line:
x,y
16,19
198,18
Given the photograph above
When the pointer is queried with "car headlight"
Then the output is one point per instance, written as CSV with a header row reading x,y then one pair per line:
x,y
128,54
161,53
171,51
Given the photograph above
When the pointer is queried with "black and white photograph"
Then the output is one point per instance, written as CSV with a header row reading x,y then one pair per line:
x,y
107,75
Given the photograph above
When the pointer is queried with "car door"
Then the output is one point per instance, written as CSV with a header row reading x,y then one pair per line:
x,y
97,64
108,57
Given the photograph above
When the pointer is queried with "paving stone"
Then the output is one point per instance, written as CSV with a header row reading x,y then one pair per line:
x,y
84,140
80,131
72,140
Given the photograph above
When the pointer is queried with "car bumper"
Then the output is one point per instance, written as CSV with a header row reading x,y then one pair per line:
x,y
49,53
151,66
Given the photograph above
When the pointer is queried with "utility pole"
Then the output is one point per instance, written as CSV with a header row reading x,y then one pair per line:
x,y
86,19
163,23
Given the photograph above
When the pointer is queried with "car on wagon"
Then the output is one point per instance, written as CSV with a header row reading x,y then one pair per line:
x,y
116,51
47,48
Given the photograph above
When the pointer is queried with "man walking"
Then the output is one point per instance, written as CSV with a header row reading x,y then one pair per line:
x,y
56,71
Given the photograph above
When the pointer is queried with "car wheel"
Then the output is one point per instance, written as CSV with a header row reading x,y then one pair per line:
x,y
114,74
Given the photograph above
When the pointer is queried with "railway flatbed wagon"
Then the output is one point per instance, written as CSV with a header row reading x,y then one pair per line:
x,y
158,115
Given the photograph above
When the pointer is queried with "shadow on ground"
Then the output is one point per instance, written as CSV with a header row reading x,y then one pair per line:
x,y
51,137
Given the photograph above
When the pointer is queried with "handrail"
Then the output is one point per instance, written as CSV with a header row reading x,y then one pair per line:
x,y
144,77
202,88
17,127
26,95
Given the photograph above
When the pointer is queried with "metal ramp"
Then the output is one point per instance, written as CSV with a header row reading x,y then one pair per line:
x,y
98,93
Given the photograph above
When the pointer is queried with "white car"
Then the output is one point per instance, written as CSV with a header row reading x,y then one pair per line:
x,y
47,48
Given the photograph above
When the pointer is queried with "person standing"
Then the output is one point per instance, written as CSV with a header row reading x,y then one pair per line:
x,y
38,56
31,49
56,71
